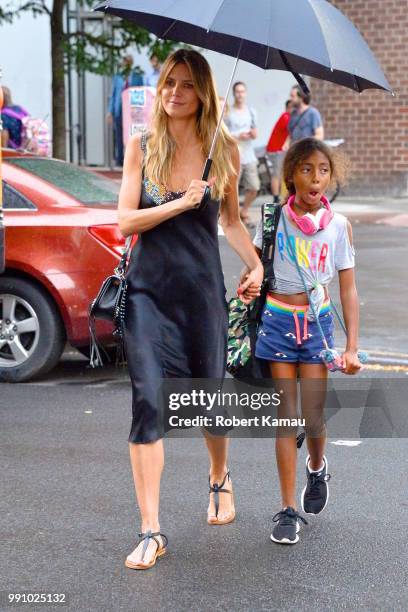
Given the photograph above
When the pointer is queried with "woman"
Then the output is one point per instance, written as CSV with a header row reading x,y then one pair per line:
x,y
176,315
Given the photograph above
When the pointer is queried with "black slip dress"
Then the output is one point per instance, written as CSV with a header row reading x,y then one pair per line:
x,y
176,318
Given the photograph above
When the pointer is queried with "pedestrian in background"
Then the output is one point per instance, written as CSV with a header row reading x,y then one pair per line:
x,y
176,317
126,77
242,123
277,145
11,116
153,76
305,120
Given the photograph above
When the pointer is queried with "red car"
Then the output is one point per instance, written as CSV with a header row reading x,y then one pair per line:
x,y
61,241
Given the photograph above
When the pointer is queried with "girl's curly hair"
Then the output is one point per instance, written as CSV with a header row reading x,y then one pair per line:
x,y
302,149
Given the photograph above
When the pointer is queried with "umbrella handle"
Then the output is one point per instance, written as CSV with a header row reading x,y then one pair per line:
x,y
207,193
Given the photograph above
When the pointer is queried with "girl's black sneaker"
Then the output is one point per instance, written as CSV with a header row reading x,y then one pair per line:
x,y
286,531
315,495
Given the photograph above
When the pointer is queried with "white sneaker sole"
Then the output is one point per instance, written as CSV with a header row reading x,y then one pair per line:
x,y
285,540
302,497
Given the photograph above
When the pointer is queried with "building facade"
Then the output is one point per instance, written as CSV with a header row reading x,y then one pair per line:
x,y
374,124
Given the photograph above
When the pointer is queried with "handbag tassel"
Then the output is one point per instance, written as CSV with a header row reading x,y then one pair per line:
x,y
96,349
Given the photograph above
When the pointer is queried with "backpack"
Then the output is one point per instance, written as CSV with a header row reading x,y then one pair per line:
x,y
35,135
243,320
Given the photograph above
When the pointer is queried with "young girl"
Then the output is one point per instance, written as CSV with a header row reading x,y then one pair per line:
x,y
289,337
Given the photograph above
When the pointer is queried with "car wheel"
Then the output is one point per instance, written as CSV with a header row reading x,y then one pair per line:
x,y
32,335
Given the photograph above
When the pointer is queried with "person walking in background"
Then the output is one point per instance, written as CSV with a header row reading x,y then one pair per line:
x,y
305,120
11,116
275,149
241,122
126,77
153,76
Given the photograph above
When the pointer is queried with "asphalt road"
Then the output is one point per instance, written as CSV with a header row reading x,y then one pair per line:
x,y
69,518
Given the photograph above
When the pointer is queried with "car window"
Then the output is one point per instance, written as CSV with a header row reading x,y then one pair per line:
x,y
13,200
83,185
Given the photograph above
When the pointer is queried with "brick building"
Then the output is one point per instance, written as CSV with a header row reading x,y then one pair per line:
x,y
373,123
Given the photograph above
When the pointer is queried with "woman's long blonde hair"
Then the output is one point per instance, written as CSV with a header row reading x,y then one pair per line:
x,y
161,146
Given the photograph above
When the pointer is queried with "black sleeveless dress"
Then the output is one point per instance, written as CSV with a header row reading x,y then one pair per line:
x,y
176,318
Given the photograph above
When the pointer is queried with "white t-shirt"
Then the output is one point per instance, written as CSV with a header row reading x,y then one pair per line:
x,y
239,121
319,255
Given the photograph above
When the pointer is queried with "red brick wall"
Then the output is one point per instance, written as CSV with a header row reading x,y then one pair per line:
x,y
373,123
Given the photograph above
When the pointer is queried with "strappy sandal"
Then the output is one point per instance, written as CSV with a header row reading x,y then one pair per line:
x,y
217,489
160,550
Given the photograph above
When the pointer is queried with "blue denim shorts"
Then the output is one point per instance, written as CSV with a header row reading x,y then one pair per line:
x,y
286,335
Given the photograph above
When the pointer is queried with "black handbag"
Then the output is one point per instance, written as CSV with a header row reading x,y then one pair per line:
x,y
109,305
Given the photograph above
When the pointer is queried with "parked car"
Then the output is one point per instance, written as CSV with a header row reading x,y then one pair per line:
x,y
61,241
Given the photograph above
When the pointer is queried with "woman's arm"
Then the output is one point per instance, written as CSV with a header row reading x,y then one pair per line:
x,y
350,306
131,219
237,235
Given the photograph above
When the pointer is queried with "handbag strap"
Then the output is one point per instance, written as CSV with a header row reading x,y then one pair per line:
x,y
121,267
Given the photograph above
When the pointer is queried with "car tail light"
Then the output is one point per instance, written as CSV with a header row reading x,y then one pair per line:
x,y
110,236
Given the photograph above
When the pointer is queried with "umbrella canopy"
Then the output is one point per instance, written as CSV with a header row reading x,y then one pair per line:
x,y
311,37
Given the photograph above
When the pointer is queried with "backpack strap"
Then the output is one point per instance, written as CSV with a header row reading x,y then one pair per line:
x,y
270,219
271,213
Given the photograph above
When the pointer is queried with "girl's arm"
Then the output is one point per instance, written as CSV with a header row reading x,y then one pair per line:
x,y
350,306
238,237
131,219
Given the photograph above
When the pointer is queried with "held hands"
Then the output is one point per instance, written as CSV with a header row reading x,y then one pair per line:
x,y
195,192
250,284
245,136
351,362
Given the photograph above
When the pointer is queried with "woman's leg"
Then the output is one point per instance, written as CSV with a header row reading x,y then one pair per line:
x,y
285,378
313,389
147,461
218,454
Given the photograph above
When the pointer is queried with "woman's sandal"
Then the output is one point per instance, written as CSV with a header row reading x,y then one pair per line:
x,y
160,550
217,489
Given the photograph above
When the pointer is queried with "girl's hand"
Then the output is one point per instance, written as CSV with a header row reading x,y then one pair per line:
x,y
195,192
250,284
351,362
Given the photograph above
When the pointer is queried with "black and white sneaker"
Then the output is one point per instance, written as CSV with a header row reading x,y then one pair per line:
x,y
315,495
287,529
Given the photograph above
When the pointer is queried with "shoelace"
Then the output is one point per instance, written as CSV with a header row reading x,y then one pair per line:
x,y
285,517
315,480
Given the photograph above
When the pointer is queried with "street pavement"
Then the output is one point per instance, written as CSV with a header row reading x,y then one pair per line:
x,y
68,511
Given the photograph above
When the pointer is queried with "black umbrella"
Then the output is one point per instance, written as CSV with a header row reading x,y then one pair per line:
x,y
311,37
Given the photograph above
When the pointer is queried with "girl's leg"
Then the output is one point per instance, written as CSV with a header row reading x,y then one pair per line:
x,y
285,377
218,454
313,389
147,461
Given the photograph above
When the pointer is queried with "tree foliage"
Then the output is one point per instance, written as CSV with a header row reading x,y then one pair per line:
x,y
91,49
